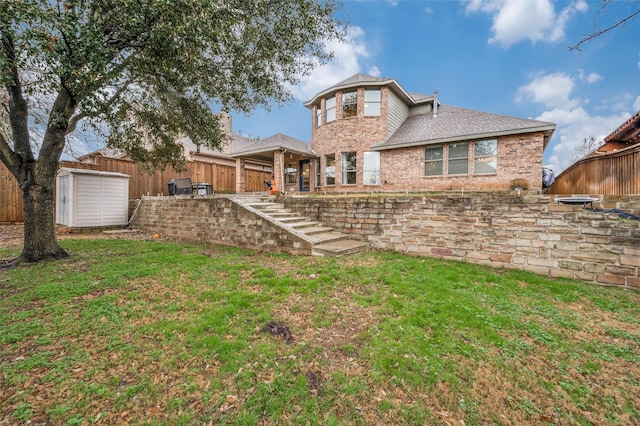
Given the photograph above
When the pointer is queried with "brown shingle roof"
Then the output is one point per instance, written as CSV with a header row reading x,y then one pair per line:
x,y
454,123
276,142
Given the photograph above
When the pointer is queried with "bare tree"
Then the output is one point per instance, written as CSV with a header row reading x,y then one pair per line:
x,y
587,146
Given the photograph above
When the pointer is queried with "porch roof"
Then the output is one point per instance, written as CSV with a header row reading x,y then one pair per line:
x,y
628,132
263,150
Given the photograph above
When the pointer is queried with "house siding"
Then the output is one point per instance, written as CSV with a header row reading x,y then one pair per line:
x,y
398,113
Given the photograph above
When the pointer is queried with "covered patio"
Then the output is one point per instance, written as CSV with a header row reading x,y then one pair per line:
x,y
293,163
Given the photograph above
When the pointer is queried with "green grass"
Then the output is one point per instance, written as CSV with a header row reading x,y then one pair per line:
x,y
157,333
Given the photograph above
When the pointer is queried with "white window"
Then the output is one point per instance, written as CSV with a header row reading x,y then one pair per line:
x,y
372,100
458,158
348,168
371,169
485,156
433,161
330,169
290,172
318,114
330,109
318,172
349,104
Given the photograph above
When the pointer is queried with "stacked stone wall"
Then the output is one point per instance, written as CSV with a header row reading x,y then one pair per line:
x,y
531,233
214,220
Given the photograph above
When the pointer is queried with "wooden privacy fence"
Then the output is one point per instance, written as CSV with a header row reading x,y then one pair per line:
x,y
221,177
10,197
614,173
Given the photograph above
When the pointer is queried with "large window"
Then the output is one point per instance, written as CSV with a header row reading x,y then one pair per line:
x,y
372,103
290,172
485,156
371,169
318,114
330,169
458,158
433,161
349,104
330,109
348,168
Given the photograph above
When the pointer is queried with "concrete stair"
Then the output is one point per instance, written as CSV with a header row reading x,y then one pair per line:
x,y
325,240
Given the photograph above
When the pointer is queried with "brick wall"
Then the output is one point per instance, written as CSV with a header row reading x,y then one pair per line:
x,y
215,220
352,134
519,157
531,233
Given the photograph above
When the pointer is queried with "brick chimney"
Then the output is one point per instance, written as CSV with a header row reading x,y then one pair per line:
x,y
225,122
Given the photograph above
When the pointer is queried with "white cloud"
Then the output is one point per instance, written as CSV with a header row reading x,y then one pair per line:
x,y
349,56
574,121
590,78
636,104
552,90
517,20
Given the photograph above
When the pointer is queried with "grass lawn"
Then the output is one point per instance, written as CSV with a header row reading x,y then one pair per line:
x,y
131,332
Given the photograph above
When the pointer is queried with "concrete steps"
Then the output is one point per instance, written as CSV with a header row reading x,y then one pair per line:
x,y
325,240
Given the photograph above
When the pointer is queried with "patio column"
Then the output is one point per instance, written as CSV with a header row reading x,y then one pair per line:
x,y
240,175
278,169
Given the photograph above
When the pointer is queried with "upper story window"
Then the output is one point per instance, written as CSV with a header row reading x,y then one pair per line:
x,y
318,114
372,101
433,161
349,104
330,109
485,156
458,158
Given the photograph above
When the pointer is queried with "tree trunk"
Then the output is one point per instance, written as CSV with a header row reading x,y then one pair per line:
x,y
40,242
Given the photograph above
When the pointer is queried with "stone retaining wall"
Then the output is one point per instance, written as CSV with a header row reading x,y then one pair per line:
x,y
532,233
214,220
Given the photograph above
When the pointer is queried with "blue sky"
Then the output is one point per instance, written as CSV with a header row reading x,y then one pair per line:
x,y
503,56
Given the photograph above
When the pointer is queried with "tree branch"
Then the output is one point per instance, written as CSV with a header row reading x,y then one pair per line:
x,y
73,121
599,32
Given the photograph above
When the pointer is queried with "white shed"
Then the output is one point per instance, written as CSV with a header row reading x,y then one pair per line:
x,y
87,198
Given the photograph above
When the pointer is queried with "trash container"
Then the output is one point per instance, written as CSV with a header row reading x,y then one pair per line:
x,y
172,187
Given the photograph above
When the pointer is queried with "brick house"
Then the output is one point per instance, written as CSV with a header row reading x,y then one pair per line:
x,y
370,134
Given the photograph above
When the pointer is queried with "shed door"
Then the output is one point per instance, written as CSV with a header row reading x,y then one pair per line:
x,y
62,216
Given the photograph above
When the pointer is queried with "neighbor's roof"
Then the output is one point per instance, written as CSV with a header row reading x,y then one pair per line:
x,y
276,142
458,124
628,132
363,80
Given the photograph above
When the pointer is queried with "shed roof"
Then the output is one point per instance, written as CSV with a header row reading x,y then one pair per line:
x,y
456,124
74,171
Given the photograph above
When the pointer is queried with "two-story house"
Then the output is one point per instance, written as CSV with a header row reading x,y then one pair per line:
x,y
370,134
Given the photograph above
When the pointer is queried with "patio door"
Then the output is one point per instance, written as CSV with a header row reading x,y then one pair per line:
x,y
305,175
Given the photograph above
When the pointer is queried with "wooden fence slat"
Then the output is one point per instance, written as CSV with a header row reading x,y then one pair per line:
x,y
220,176
614,173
